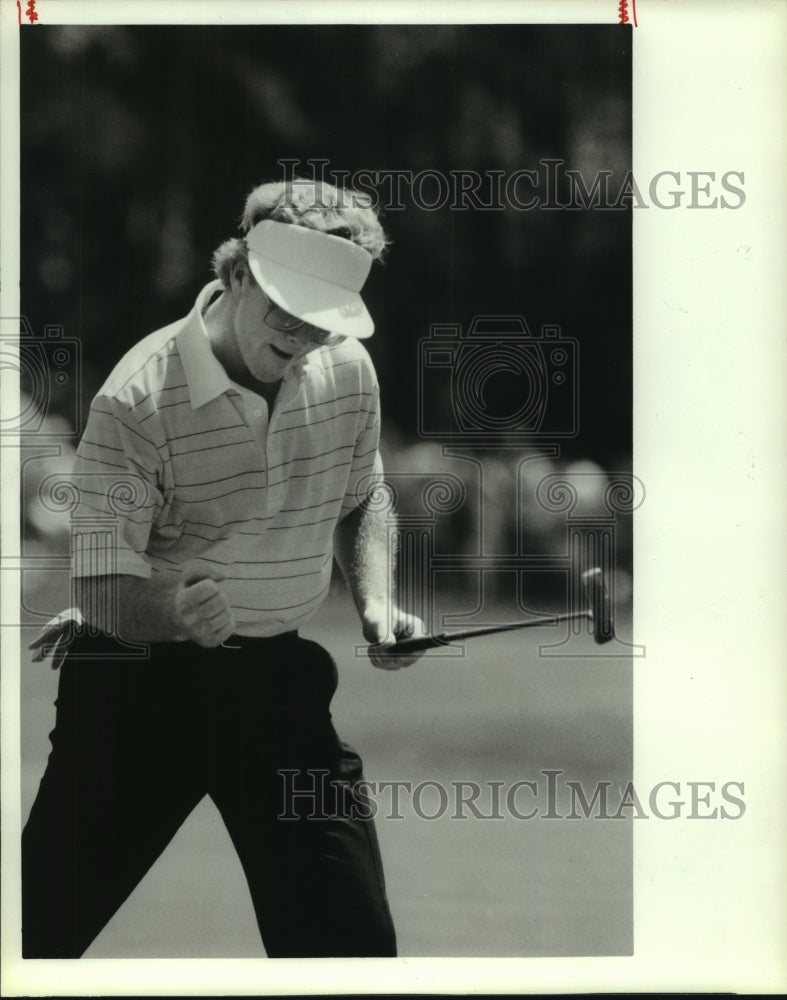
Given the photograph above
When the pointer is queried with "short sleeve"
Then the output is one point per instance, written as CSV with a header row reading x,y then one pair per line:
x,y
366,469
116,480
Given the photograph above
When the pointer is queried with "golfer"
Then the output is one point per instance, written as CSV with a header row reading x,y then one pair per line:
x,y
233,455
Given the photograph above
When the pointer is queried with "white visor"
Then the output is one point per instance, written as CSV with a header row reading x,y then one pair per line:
x,y
313,275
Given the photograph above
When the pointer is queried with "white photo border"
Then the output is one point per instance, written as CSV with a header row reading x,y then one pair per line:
x,y
710,367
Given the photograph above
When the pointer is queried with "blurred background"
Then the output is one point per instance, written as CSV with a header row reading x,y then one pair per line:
x,y
139,146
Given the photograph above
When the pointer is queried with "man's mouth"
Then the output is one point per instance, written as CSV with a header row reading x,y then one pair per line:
x,y
281,354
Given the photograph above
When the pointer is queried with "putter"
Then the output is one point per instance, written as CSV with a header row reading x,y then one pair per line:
x,y
598,612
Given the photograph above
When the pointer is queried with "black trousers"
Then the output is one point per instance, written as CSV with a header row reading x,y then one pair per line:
x,y
137,744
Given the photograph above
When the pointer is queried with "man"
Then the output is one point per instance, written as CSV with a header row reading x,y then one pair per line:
x,y
232,455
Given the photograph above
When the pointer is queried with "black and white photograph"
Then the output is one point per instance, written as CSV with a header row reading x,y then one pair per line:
x,y
362,440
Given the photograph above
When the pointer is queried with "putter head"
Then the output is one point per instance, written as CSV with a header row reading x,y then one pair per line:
x,y
600,605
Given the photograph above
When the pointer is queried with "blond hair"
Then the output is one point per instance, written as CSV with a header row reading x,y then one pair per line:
x,y
310,203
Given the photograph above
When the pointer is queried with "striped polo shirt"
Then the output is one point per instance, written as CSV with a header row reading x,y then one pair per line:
x,y
179,463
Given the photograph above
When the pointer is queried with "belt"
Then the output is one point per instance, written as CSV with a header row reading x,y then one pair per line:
x,y
258,641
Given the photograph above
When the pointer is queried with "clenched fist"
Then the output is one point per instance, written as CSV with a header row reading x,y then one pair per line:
x,y
375,619
202,608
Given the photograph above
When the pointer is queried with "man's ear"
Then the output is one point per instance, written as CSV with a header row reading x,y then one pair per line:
x,y
238,274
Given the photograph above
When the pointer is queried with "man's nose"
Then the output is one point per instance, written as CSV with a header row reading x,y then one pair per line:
x,y
299,336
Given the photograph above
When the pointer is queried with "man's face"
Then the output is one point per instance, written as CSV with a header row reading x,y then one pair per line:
x,y
266,352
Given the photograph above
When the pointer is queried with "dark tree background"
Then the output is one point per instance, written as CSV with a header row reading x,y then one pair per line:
x,y
139,145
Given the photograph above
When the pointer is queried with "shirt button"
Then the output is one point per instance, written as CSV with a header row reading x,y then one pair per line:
x,y
258,413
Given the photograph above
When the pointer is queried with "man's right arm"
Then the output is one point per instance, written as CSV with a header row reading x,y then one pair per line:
x,y
142,609
117,451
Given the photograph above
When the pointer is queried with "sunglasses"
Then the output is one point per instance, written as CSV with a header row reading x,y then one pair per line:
x,y
279,319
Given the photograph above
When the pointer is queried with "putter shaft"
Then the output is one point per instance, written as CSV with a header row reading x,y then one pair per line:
x,y
420,642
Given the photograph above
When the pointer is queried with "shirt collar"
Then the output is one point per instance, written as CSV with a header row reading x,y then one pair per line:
x,y
205,374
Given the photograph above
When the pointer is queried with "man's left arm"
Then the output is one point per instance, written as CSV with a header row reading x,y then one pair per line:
x,y
362,551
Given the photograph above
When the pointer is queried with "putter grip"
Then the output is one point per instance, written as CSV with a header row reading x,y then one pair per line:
x,y
418,643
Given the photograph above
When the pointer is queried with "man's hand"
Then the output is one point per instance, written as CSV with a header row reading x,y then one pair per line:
x,y
56,637
376,630
201,608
